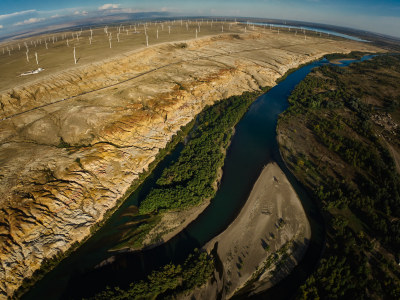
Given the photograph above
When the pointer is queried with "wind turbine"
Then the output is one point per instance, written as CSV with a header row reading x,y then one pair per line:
x,y
74,55
37,62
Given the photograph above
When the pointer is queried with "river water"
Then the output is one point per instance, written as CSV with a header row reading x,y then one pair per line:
x,y
253,146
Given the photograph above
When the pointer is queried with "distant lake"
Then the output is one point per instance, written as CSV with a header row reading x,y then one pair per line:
x,y
317,30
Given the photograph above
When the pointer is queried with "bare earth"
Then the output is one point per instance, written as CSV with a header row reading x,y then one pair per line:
x,y
255,235
73,139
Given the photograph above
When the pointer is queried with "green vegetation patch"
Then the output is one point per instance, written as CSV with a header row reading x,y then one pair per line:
x,y
336,137
168,281
191,179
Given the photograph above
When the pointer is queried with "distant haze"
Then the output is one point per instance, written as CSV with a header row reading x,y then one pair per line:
x,y
21,16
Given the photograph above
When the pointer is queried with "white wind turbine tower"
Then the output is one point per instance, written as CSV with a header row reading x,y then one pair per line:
x,y
37,61
169,29
74,55
196,33
157,33
147,40
19,47
27,54
67,44
109,39
222,30
118,37
187,26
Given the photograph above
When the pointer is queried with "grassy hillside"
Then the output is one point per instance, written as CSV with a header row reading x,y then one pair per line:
x,y
340,137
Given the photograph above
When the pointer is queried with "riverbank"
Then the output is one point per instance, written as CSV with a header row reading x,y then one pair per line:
x,y
339,149
272,217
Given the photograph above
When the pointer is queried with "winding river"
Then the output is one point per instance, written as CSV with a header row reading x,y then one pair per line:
x,y
92,266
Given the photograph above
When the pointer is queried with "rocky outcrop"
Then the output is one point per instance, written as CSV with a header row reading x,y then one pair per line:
x,y
72,143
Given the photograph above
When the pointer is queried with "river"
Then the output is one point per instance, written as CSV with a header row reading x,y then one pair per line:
x,y
253,146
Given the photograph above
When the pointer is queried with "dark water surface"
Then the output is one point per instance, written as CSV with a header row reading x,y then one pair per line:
x,y
253,146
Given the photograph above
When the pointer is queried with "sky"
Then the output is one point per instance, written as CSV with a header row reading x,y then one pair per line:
x,y
380,16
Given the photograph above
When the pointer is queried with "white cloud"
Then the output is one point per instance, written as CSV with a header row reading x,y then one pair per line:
x,y
1,26
18,13
55,16
80,13
109,6
29,21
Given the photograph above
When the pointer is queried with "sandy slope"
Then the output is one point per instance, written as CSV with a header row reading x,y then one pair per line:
x,y
255,234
